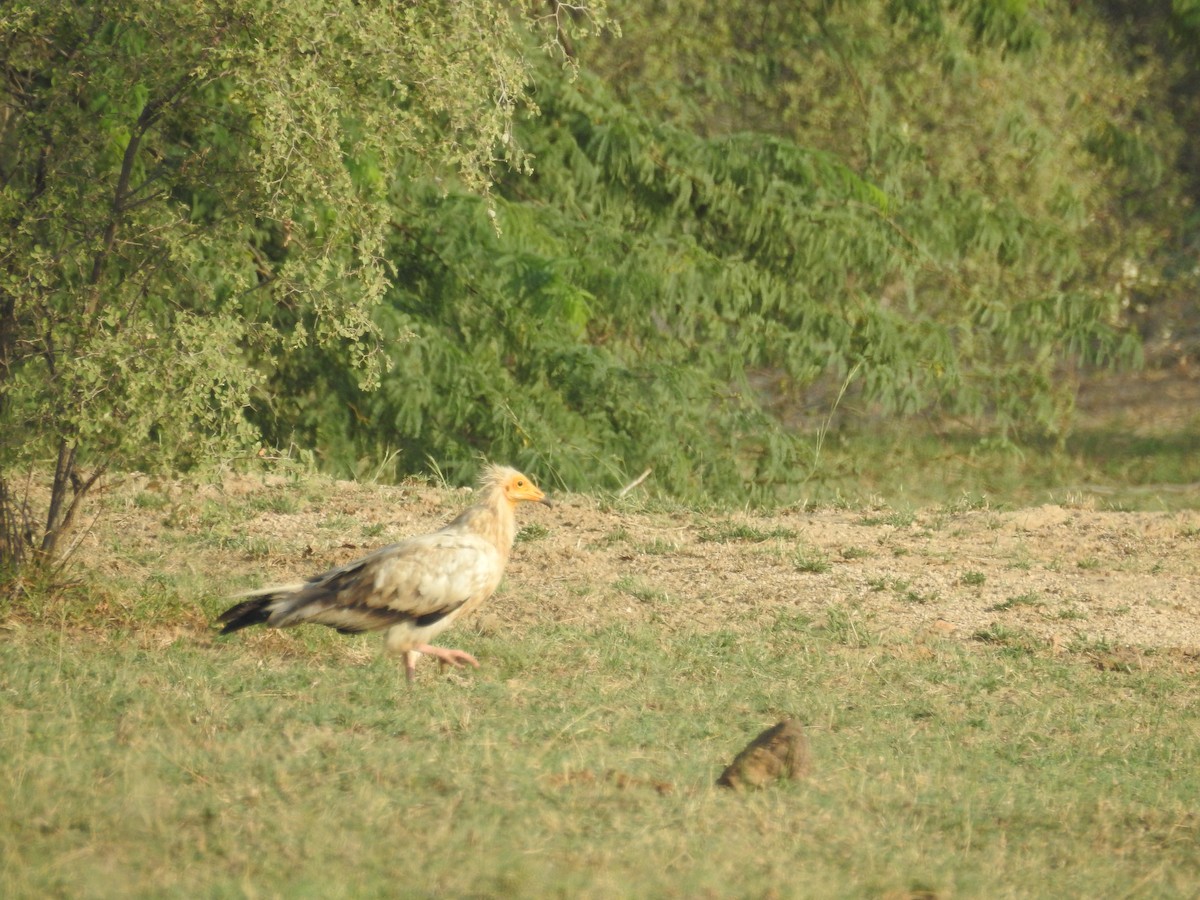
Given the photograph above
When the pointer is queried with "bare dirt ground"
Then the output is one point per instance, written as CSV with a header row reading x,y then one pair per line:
x,y
1065,576
1071,578
1068,577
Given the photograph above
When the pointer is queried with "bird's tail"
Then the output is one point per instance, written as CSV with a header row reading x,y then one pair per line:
x,y
255,609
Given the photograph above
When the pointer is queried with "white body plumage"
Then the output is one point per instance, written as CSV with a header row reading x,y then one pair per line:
x,y
414,589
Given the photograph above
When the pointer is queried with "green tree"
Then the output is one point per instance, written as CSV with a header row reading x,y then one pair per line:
x,y
191,191
736,208
1156,43
1073,117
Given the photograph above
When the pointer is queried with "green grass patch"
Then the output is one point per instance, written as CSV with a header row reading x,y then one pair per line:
x,y
657,547
811,560
618,535
532,532
852,553
896,519
1029,599
1106,467
580,762
145,757
730,532
639,590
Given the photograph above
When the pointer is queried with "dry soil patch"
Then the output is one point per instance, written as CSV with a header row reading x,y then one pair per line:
x,y
1062,575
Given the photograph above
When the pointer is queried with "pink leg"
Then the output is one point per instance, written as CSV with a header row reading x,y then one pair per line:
x,y
454,657
444,657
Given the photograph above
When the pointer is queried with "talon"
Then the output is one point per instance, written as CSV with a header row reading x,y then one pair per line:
x,y
446,656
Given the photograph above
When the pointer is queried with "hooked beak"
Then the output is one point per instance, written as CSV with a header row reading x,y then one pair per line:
x,y
530,493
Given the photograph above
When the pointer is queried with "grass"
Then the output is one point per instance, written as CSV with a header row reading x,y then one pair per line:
x,y
898,519
730,532
146,757
852,553
811,560
532,532
1103,466
1029,599
639,590
658,547
581,763
884,583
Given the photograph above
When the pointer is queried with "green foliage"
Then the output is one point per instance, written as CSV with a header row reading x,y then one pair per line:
x,y
905,199
191,192
404,235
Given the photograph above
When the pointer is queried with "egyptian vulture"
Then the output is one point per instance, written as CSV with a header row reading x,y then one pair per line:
x,y
413,590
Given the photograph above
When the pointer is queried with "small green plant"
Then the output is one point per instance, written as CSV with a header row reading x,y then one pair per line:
x,y
852,553
731,532
844,626
1087,645
151,500
788,621
973,579
1029,599
617,536
639,590
534,531
657,547
808,559
894,519
966,502
1070,614
917,598
1015,640
339,522
888,583
1088,563
251,546
277,501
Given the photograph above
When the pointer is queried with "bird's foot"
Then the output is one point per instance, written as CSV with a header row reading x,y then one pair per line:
x,y
447,656
443,655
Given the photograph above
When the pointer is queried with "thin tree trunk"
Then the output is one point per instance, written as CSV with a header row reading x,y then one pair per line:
x,y
15,535
13,514
64,475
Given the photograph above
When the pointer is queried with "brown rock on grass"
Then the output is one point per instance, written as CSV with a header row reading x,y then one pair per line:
x,y
779,752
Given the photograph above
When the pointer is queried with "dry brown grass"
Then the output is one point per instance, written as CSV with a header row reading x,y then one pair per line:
x,y
1070,577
